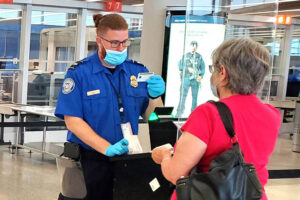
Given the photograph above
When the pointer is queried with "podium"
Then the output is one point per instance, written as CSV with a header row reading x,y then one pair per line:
x,y
162,132
132,175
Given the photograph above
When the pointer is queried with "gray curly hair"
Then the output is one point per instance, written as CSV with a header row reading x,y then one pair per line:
x,y
247,63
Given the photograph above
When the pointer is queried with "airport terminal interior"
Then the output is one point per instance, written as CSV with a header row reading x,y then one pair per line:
x,y
41,39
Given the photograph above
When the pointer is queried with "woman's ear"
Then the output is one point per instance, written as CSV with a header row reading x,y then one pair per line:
x,y
223,77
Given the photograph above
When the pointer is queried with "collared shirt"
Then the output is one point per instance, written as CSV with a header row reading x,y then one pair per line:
x,y
88,93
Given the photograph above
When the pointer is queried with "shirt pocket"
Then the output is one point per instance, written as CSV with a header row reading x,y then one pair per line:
x,y
138,97
95,106
140,91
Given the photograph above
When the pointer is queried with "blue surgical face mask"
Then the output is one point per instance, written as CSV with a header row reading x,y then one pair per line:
x,y
114,58
213,88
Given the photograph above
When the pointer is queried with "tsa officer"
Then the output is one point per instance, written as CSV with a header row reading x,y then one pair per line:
x,y
99,94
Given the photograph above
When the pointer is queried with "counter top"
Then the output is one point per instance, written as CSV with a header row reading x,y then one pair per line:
x,y
9,109
283,104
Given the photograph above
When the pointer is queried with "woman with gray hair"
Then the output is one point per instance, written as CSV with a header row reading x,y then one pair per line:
x,y
238,72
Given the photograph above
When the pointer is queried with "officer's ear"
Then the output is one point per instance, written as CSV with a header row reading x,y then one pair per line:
x,y
98,40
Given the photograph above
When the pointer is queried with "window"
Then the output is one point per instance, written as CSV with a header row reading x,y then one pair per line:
x,y
52,51
10,34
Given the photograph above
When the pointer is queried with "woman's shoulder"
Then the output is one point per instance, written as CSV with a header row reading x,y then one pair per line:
x,y
274,112
206,106
207,109
202,121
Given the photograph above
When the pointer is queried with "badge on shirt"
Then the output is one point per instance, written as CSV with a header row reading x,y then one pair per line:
x,y
133,81
68,86
93,92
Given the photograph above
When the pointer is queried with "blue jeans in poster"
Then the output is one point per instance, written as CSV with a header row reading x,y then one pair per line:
x,y
186,84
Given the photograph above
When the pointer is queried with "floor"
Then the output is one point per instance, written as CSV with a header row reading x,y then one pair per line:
x,y
31,177
27,176
283,158
283,189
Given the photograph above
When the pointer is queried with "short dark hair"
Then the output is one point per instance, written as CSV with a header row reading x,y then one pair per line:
x,y
111,21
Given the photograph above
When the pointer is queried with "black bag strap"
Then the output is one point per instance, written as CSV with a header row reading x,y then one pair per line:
x,y
226,117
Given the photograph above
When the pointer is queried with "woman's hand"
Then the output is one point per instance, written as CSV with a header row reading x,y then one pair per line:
x,y
159,154
189,151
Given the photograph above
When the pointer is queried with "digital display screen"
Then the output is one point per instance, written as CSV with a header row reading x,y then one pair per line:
x,y
188,60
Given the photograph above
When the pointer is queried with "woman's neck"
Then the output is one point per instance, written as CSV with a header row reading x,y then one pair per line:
x,y
225,93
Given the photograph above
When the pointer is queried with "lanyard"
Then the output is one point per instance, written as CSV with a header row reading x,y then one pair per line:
x,y
120,103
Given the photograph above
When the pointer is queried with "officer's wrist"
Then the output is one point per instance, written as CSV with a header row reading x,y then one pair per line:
x,y
153,97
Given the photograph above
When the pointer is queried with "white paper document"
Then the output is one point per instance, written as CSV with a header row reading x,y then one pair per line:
x,y
154,184
134,145
168,146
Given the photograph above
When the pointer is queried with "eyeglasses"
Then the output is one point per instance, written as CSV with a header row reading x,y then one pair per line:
x,y
116,43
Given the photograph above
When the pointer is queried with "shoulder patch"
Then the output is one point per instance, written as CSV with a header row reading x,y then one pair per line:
x,y
68,86
76,64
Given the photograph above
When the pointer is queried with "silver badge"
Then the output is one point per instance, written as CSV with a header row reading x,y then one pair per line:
x,y
68,86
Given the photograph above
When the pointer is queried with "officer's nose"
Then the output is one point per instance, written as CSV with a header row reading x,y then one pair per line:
x,y
120,48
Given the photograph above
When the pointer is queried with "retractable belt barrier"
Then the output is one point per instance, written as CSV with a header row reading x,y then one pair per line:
x,y
31,124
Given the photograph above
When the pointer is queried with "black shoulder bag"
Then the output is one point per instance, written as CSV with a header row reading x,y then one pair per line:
x,y
228,178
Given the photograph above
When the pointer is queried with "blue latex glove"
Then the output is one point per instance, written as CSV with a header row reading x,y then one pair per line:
x,y
119,148
156,86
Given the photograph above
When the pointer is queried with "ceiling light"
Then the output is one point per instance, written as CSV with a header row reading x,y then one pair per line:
x,y
141,4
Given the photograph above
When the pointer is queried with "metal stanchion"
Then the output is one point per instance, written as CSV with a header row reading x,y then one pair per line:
x,y
296,135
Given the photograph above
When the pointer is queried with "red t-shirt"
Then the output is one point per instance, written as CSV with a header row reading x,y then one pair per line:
x,y
256,126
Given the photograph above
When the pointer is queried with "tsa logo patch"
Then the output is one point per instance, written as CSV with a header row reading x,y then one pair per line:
x,y
68,86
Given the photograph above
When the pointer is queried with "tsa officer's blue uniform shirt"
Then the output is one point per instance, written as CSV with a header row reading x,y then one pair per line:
x,y
88,93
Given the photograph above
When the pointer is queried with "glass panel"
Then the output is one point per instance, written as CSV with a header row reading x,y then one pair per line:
x,y
135,31
206,25
10,34
258,22
52,51
293,85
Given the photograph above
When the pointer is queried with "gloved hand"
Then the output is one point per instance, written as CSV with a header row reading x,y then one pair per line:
x,y
119,148
156,86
